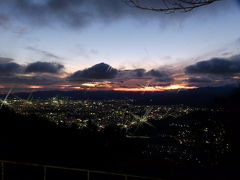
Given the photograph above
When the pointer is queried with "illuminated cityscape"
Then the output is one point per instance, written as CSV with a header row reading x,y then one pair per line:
x,y
104,112
143,123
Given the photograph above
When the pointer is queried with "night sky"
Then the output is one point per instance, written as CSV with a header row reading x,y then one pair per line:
x,y
107,45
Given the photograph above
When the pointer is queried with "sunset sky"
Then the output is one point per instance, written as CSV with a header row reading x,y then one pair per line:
x,y
107,45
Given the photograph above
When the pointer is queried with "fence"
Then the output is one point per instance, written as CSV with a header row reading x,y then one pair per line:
x,y
11,170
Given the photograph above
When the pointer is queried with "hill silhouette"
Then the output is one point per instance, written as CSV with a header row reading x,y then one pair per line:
x,y
194,97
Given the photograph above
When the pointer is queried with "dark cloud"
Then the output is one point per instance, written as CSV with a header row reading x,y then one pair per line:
x,y
7,66
15,74
32,80
199,80
78,13
142,74
44,53
44,67
216,66
214,72
10,68
155,73
139,72
160,76
98,71
75,13
129,74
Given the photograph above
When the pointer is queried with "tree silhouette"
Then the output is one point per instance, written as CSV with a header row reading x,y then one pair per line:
x,y
169,6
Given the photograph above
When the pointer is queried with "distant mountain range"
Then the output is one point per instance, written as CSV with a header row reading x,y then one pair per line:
x,y
193,97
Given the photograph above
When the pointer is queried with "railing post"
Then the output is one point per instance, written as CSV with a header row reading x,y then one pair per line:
x,y
88,175
44,173
2,168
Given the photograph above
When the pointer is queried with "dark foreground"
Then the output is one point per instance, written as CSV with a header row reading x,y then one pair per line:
x,y
208,150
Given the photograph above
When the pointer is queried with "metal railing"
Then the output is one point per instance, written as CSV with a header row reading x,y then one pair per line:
x,y
88,172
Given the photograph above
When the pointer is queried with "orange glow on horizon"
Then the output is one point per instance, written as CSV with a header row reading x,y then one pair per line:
x,y
236,77
35,87
76,88
158,88
89,84
179,86
108,86
102,84
64,86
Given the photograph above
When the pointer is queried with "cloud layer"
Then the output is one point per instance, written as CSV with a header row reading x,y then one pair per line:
x,y
104,71
98,71
9,68
44,67
100,75
161,76
216,66
74,13
38,73
216,71
212,72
